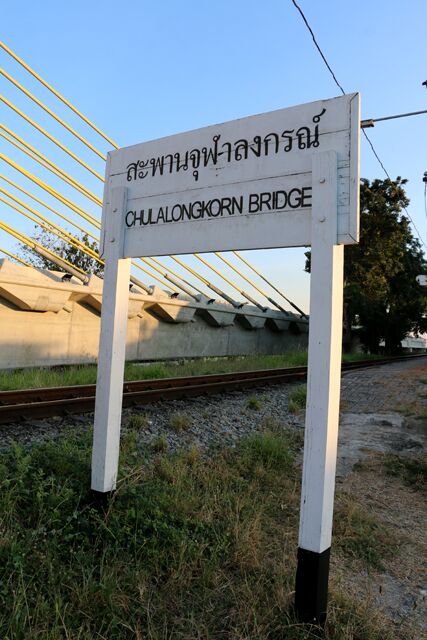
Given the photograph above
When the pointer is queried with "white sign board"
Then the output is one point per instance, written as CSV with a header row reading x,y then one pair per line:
x,y
244,184
281,179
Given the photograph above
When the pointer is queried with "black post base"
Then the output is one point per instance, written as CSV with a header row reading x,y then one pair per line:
x,y
101,500
311,589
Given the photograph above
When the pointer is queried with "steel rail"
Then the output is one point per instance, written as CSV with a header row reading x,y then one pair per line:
x,y
29,404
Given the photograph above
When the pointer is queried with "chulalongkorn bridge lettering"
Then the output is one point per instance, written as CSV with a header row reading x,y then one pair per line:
x,y
253,203
305,137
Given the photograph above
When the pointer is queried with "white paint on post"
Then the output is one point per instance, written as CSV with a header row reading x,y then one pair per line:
x,y
324,361
112,346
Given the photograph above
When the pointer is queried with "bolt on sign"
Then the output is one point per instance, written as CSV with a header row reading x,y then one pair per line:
x,y
282,179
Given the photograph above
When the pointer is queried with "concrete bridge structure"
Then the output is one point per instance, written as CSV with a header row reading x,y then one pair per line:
x,y
46,320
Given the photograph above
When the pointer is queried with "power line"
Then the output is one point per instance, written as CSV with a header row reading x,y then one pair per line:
x,y
343,92
317,45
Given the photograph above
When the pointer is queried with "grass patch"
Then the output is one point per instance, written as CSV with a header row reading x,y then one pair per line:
x,y
413,470
86,374
359,534
138,421
254,403
180,422
297,399
159,444
189,547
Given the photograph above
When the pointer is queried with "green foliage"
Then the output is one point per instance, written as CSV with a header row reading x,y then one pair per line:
x,y
254,403
188,547
381,294
412,470
360,535
180,422
86,374
297,399
159,444
271,451
138,421
63,249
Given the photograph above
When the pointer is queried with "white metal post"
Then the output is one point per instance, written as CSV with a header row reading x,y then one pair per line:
x,y
323,394
112,347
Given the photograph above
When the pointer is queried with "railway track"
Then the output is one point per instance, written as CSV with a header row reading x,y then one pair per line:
x,y
28,404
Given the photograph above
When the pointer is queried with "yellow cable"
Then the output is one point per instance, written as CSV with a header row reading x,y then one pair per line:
x,y
194,273
60,233
95,128
74,241
51,138
138,266
58,95
45,162
81,212
12,255
175,274
236,253
63,235
45,204
152,266
52,114
240,274
217,272
29,241
68,104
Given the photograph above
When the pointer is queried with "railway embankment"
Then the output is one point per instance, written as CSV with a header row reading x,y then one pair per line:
x,y
378,574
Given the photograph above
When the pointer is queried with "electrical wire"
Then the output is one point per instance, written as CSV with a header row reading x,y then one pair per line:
x,y
343,92
317,45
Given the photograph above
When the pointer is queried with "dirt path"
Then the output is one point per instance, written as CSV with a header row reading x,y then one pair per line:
x,y
383,432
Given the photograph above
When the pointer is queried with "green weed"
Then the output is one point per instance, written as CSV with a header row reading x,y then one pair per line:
x,y
360,535
297,399
180,422
189,546
254,403
159,444
138,421
86,374
413,470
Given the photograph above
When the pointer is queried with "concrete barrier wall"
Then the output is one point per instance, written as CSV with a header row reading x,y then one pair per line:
x,y
47,321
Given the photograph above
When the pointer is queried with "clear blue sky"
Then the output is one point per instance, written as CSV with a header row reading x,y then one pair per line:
x,y
143,70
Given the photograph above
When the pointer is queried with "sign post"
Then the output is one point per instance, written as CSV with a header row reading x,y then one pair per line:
x,y
111,359
323,395
287,178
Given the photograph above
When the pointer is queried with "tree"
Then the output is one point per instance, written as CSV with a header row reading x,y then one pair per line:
x,y
381,296
63,249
